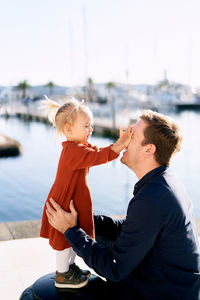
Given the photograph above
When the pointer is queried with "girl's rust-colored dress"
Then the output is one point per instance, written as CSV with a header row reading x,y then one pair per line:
x,y
71,183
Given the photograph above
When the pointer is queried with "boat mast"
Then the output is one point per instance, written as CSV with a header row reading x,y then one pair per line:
x,y
85,54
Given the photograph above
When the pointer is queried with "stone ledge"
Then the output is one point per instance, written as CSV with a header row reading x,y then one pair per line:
x,y
31,229
5,233
19,230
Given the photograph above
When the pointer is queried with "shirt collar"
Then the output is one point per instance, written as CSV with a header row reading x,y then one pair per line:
x,y
147,177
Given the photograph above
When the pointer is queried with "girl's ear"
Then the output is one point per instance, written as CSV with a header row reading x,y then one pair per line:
x,y
67,128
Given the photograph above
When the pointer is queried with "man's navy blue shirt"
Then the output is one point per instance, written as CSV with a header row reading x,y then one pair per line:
x,y
156,254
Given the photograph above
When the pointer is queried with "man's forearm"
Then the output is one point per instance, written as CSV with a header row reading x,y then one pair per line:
x,y
81,243
135,240
93,254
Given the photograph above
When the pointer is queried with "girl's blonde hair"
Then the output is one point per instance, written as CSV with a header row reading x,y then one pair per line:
x,y
66,113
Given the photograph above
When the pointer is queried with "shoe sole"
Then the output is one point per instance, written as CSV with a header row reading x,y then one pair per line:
x,y
71,286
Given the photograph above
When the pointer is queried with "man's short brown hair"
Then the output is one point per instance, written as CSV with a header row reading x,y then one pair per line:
x,y
164,133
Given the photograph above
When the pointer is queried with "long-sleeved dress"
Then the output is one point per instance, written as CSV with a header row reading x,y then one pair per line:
x,y
71,183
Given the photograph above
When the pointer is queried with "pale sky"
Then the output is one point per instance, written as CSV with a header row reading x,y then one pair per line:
x,y
66,41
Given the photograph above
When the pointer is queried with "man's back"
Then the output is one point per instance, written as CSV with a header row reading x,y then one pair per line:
x,y
170,267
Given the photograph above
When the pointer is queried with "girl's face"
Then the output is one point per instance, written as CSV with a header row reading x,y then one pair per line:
x,y
82,129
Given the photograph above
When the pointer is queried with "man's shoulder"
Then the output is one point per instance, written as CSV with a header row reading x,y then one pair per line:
x,y
167,193
166,182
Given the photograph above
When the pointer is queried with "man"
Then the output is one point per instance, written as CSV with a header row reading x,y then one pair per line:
x,y
155,253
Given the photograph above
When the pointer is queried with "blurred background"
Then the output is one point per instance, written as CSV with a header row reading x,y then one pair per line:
x,y
121,57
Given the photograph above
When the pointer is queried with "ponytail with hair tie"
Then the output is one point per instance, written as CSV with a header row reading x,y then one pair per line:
x,y
50,109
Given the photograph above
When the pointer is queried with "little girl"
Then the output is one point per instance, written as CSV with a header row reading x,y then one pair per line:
x,y
74,121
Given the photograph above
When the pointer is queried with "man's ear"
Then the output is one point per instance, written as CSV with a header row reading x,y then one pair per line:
x,y
150,150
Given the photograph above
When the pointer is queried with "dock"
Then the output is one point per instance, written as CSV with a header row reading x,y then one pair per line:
x,y
187,106
31,112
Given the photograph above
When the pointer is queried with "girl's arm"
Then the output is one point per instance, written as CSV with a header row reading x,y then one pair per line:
x,y
124,139
81,156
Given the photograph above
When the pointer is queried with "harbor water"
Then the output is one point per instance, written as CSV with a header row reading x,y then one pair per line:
x,y
26,180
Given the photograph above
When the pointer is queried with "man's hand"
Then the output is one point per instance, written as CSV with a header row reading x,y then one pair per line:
x,y
59,218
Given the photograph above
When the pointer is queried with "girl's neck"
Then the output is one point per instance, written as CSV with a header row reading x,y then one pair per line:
x,y
73,140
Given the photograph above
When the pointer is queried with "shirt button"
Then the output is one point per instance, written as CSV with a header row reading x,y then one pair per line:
x,y
114,261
